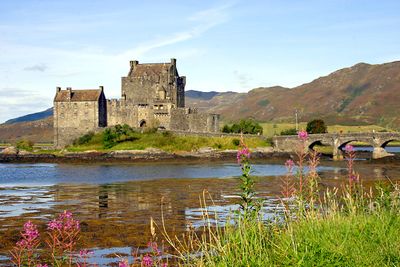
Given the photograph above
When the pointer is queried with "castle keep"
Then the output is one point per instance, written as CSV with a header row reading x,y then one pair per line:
x,y
152,95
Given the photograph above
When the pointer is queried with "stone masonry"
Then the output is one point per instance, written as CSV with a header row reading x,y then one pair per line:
x,y
377,141
152,95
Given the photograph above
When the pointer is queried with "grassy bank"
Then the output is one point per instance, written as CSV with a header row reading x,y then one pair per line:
x,y
166,141
360,239
347,226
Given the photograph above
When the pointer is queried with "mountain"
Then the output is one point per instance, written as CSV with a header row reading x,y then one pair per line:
x,y
200,95
361,94
32,117
36,131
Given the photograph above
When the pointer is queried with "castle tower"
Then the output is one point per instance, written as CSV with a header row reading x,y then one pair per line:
x,y
154,84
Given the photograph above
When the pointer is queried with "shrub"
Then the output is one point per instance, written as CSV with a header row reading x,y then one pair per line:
x,y
118,134
316,126
226,129
236,142
248,126
84,139
291,131
109,138
24,145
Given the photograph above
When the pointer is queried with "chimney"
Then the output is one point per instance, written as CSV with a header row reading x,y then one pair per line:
x,y
134,63
69,95
58,89
173,61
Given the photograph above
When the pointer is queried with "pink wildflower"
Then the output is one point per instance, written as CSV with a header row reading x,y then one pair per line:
x,y
303,135
41,265
54,225
154,247
85,253
147,261
30,236
65,221
123,263
243,154
289,164
349,148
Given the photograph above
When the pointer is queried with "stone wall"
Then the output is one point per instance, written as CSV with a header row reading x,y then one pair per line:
x,y
121,112
73,119
179,119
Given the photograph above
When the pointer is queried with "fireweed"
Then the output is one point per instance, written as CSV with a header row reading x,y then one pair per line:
x,y
62,237
24,250
248,205
301,153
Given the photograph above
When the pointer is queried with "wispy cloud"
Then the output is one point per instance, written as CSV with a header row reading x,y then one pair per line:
x,y
243,79
38,67
17,102
203,21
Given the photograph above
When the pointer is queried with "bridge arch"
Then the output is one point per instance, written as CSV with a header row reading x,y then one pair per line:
x,y
384,144
315,143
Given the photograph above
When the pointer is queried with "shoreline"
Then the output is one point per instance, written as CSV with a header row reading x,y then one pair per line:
x,y
155,155
137,156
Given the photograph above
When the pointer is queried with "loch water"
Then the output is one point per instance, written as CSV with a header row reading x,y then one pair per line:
x,y
115,202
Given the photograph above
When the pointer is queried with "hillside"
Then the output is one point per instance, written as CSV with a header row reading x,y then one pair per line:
x,y
32,117
36,131
361,94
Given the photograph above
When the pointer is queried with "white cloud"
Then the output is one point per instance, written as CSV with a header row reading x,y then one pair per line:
x,y
203,21
37,67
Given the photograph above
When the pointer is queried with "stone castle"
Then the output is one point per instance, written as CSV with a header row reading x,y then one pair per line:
x,y
152,95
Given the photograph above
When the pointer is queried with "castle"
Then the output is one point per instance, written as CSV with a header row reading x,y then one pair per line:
x,y
152,95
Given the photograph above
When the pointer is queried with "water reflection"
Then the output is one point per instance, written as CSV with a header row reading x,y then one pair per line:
x,y
115,202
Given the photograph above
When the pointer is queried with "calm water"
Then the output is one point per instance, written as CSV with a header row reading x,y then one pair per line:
x,y
115,202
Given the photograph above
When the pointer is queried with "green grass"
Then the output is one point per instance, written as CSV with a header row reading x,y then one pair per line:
x,y
345,229
271,129
337,240
168,142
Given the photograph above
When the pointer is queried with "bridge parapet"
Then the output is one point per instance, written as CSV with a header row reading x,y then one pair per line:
x,y
378,141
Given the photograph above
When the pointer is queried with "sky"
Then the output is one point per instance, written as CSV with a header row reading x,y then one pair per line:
x,y
219,45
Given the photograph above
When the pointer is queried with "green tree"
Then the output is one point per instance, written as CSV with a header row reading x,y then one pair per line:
x,y
226,129
247,126
291,131
316,126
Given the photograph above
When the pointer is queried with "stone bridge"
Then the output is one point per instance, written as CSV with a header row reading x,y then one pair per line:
x,y
338,141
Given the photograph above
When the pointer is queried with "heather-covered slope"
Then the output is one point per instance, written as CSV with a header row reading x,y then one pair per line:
x,y
362,94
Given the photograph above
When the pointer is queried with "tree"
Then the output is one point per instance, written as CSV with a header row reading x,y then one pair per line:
x,y
316,126
291,131
248,126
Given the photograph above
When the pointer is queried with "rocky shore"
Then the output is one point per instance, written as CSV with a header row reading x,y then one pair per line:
x,y
13,155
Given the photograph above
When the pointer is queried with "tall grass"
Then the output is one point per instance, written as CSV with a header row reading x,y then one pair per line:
x,y
346,226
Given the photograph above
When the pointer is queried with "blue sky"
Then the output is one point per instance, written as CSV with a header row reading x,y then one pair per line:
x,y
219,45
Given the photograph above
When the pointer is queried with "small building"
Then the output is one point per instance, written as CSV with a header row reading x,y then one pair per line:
x,y
77,112
152,95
